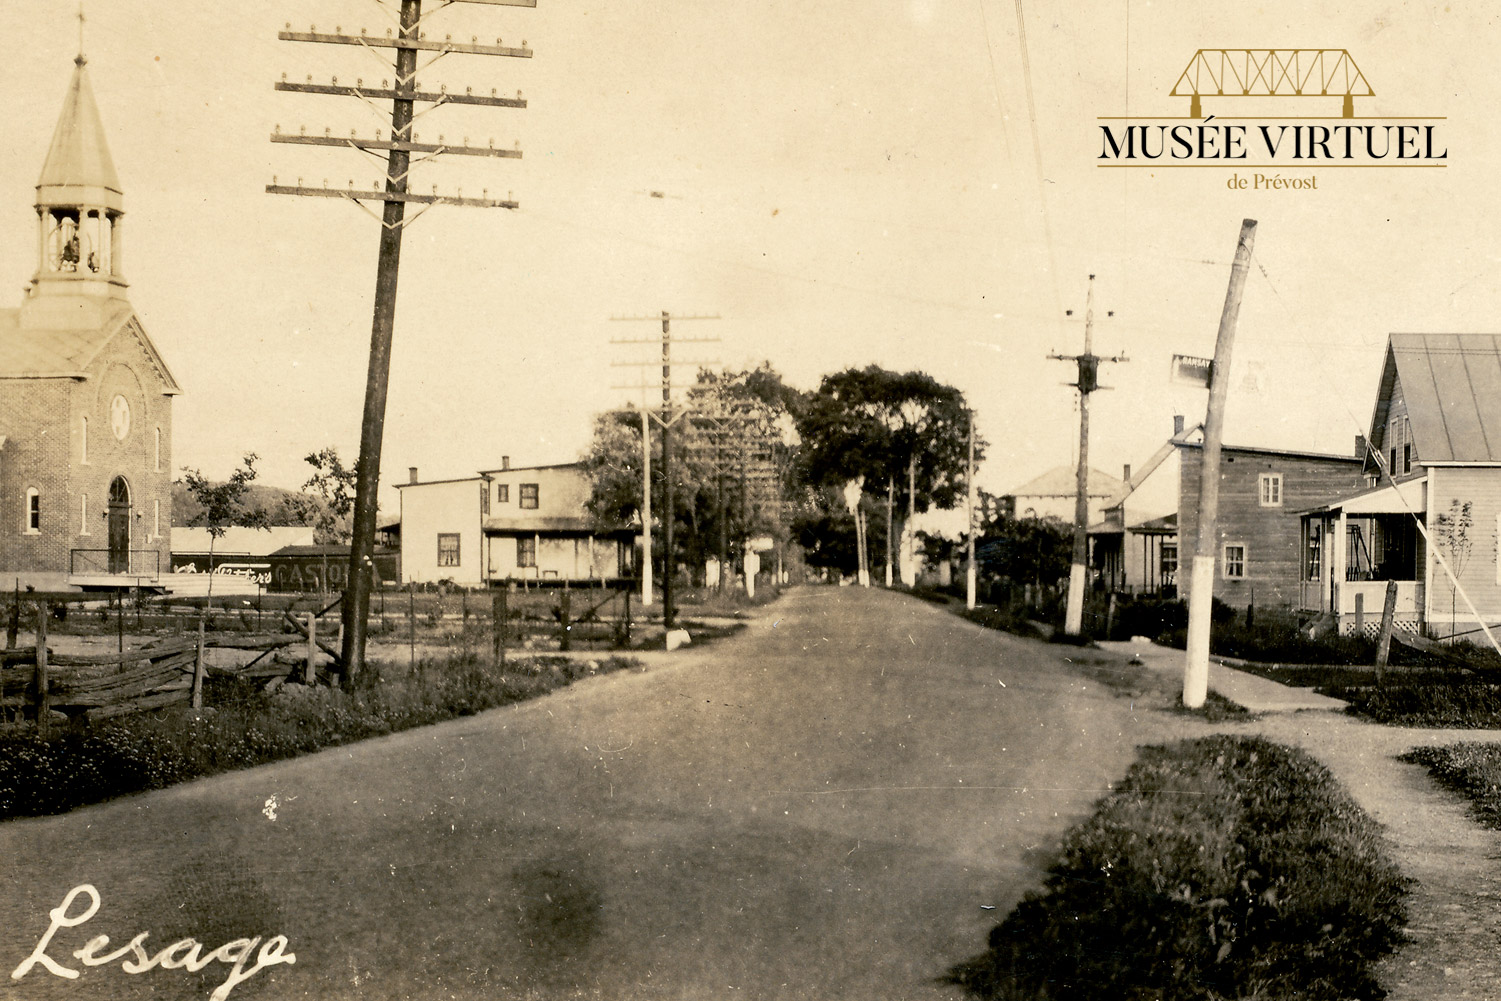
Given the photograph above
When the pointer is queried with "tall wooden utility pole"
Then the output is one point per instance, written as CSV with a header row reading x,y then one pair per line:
x,y
969,506
666,419
1206,532
645,508
404,93
1088,382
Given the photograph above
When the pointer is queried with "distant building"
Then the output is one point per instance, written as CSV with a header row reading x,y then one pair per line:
x,y
510,523
1052,495
85,397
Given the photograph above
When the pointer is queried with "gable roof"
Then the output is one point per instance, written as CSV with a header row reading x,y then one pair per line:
x,y
29,353
1452,386
1063,481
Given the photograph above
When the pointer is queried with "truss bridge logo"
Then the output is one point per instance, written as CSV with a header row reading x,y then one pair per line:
x,y
1280,108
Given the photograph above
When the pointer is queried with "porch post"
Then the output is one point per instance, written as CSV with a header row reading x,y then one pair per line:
x,y
1337,566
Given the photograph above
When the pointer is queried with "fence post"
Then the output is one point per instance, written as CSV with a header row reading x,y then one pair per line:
x,y
412,624
197,702
310,673
1359,615
1110,617
566,607
498,627
1388,614
43,699
627,633
13,631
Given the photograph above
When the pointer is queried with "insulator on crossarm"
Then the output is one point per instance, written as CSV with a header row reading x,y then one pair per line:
x,y
492,142
468,91
442,88
338,29
359,81
310,78
474,39
377,135
302,130
327,132
283,78
278,129
273,180
333,80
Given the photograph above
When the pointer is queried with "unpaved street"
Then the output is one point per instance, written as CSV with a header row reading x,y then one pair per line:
x,y
821,807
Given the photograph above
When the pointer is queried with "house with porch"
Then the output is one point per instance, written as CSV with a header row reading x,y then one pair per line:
x,y
1258,550
508,524
1429,514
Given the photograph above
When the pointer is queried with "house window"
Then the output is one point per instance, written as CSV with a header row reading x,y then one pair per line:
x,y
83,439
1406,445
1235,561
484,499
528,495
526,552
1169,561
83,514
503,493
448,549
158,450
1271,489
33,511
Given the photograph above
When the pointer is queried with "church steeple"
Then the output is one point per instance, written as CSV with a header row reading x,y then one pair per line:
x,y
79,203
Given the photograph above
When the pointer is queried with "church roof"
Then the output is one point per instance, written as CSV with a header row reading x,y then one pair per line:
x,y
27,353
1452,386
78,169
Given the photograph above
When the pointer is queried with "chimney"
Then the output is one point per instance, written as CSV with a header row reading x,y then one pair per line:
x,y
505,462
411,474
1177,425
1126,473
1360,446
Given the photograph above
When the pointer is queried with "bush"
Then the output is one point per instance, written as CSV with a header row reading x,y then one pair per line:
x,y
1473,770
153,750
1462,702
1221,867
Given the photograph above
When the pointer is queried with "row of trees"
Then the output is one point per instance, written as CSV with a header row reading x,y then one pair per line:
x,y
868,447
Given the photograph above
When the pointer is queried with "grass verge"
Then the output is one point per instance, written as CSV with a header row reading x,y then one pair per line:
x,y
244,728
1472,770
1429,701
1220,867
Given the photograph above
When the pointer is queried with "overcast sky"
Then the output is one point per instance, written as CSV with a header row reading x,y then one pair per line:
x,y
846,182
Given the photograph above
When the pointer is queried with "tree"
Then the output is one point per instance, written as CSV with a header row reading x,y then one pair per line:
x,y
906,432
332,488
222,505
1452,531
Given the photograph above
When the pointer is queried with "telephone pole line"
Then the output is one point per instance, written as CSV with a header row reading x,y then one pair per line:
x,y
1088,382
404,94
666,419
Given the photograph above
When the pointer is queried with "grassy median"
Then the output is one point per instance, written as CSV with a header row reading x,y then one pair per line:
x,y
1220,867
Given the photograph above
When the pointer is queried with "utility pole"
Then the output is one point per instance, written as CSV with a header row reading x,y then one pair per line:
x,y
666,419
645,508
890,505
969,490
1201,579
404,93
1088,382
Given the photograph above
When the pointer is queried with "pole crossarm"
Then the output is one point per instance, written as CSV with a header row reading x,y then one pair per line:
x,y
420,44
1272,73
390,196
388,144
391,94
498,3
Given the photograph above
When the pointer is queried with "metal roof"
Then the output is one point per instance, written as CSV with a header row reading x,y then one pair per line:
x,y
1062,481
30,353
78,169
1452,386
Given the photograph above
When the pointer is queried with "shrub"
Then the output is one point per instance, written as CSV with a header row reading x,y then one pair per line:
x,y
1471,769
1221,867
1462,702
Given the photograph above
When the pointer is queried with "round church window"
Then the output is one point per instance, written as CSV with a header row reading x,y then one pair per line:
x,y
119,417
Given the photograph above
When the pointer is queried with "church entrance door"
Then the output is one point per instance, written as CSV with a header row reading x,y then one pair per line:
x,y
119,526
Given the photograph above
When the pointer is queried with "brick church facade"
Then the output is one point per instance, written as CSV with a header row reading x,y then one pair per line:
x,y
85,398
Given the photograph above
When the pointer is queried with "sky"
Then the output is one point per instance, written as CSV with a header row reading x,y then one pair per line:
x,y
904,183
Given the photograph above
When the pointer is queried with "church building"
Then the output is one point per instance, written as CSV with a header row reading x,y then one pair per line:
x,y
85,398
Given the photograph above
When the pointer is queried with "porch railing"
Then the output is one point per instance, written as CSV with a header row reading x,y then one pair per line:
x,y
97,562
